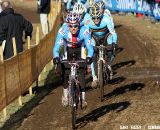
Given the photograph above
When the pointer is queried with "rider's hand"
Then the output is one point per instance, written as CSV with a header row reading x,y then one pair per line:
x,y
89,60
56,60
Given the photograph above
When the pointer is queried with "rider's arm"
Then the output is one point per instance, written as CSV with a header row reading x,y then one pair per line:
x,y
58,43
87,42
111,29
86,20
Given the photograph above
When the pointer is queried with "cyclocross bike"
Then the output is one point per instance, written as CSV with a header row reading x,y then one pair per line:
x,y
75,96
103,66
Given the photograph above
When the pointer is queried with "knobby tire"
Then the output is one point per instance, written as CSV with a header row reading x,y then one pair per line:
x,y
101,80
73,108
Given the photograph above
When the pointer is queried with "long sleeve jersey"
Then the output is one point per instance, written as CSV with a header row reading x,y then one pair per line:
x,y
64,38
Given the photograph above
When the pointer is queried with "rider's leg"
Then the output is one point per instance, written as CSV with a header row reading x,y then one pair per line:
x,y
112,42
93,67
64,76
94,82
82,83
93,71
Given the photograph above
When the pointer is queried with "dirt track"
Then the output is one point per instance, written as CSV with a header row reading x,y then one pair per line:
x,y
131,98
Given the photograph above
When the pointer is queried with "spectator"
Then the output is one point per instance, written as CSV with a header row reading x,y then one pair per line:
x,y
44,10
12,25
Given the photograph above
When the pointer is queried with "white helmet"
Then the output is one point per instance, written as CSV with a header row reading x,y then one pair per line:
x,y
79,8
73,18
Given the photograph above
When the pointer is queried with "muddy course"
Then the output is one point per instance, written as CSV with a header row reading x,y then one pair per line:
x,y
132,97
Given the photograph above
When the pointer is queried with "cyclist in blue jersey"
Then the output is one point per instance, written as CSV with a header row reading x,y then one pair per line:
x,y
72,37
103,23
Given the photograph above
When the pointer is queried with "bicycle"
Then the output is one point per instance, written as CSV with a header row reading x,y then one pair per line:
x,y
75,96
104,69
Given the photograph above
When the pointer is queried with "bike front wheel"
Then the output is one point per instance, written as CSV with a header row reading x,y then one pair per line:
x,y
101,80
73,105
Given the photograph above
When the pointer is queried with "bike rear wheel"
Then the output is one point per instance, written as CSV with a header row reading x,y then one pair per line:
x,y
101,80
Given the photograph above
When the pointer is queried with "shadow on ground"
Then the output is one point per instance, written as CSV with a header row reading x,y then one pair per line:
x,y
124,89
99,112
117,80
118,26
122,64
17,118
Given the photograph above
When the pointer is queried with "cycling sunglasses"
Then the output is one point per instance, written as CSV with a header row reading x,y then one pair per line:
x,y
73,25
95,18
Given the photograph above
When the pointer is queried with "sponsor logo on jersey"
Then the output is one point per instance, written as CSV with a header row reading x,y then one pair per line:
x,y
87,22
86,32
61,31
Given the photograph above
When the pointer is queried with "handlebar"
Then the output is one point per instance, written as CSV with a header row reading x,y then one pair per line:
x,y
102,46
74,63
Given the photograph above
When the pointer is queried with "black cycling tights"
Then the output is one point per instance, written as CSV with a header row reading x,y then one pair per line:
x,y
65,76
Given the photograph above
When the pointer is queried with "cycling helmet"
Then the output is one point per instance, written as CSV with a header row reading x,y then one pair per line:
x,y
100,5
95,12
79,8
73,18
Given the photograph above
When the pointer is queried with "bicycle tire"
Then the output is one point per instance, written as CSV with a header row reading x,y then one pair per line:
x,y
106,76
101,80
73,107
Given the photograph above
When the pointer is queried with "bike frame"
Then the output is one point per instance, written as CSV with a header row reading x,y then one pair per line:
x,y
74,90
101,57
101,49
73,78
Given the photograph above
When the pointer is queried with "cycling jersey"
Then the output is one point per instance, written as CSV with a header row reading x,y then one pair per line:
x,y
64,38
85,18
106,22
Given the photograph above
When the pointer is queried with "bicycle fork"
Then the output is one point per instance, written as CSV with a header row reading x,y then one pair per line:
x,y
101,58
74,93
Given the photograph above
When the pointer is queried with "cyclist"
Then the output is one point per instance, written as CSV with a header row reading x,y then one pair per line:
x,y
71,3
105,11
103,23
72,36
80,9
